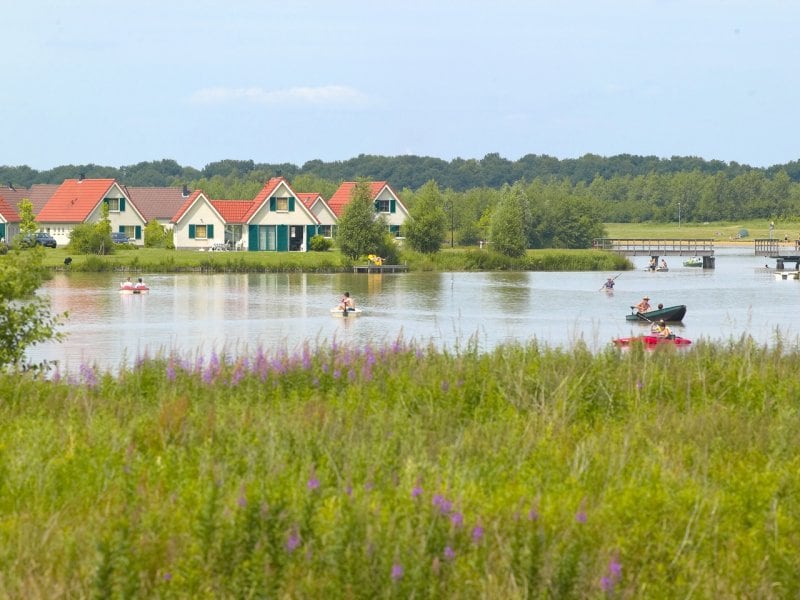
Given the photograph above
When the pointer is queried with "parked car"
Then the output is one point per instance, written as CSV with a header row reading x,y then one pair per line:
x,y
38,239
119,238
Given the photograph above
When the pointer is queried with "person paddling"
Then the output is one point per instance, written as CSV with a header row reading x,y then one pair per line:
x,y
347,303
643,306
609,284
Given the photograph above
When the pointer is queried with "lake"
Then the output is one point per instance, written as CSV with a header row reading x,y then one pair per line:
x,y
235,313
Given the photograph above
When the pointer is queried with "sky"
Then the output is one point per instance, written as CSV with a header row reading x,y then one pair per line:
x,y
118,83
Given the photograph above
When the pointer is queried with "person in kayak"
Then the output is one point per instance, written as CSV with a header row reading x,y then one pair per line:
x,y
609,284
664,331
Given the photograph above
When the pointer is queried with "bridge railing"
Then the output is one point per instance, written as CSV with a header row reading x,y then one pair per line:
x,y
774,247
656,247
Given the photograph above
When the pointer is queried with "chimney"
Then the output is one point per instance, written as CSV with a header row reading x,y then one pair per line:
x,y
81,176
185,191
10,185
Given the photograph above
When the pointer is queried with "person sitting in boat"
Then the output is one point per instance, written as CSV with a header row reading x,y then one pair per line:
x,y
663,266
609,284
653,264
127,284
664,331
139,284
643,306
347,303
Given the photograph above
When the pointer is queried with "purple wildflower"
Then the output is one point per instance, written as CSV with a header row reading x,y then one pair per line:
x,y
397,571
417,491
606,584
171,371
449,553
580,516
442,503
242,501
533,514
337,373
88,375
293,541
313,483
477,533
457,519
167,576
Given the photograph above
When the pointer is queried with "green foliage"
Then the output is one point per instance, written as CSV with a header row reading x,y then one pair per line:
x,y
27,220
25,318
87,238
507,230
359,233
425,227
320,243
155,235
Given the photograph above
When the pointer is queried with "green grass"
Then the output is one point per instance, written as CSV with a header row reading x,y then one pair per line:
x,y
720,231
398,471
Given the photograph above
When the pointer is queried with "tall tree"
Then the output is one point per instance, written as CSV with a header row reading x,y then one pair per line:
x,y
507,229
27,221
359,232
426,224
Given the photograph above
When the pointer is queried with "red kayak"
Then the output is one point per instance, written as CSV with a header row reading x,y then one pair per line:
x,y
652,340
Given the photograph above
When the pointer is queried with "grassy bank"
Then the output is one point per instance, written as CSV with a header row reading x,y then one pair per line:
x,y
402,472
722,231
155,260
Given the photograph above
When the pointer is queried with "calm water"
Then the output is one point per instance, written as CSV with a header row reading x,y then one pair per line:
x,y
191,313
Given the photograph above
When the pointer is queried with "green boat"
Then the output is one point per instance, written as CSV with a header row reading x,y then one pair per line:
x,y
669,313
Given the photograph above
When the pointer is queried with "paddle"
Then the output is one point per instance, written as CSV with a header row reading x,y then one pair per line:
x,y
604,286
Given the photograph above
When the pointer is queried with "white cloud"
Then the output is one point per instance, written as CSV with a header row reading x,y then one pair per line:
x,y
327,95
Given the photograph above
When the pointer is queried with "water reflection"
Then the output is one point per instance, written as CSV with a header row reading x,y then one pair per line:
x,y
191,312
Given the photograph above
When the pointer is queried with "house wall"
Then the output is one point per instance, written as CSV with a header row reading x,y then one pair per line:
x,y
60,231
127,217
399,216
297,218
200,213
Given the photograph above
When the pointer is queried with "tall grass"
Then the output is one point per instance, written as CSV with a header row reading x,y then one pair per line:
x,y
404,471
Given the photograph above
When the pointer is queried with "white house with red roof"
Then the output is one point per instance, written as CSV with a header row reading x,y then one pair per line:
x,y
325,216
387,203
275,220
81,200
9,219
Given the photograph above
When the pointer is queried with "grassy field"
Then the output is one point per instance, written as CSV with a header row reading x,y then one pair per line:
x,y
719,231
400,471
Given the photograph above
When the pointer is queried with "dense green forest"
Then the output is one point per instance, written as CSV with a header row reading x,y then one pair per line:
x,y
623,188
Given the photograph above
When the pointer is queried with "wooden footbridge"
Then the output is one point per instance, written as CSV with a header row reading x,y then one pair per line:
x,y
782,251
656,248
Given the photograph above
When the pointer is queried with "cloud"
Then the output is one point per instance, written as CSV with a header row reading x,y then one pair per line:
x,y
326,95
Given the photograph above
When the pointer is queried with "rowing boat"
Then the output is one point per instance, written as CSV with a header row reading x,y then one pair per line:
x,y
670,313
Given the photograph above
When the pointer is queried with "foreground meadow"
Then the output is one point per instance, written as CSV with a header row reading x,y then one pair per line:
x,y
403,471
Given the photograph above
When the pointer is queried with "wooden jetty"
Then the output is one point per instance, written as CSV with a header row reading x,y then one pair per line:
x,y
380,268
782,251
656,248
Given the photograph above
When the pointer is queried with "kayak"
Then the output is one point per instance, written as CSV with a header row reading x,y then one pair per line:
x,y
652,340
338,312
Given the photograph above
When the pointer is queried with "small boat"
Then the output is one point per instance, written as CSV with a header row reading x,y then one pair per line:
x,y
695,261
669,313
352,312
133,288
662,269
779,275
652,340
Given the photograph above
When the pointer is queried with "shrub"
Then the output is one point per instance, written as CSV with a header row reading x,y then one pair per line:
x,y
320,243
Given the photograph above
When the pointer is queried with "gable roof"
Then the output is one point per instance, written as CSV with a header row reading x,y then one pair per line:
x,y
267,191
39,194
14,195
308,198
187,203
74,200
157,202
232,211
342,196
7,210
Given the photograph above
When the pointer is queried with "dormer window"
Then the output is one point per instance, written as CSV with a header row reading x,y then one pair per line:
x,y
282,204
383,206
115,204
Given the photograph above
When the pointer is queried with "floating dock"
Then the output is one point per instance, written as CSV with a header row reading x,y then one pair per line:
x,y
380,268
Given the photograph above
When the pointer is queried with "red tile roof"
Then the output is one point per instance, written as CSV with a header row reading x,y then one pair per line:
x,y
74,200
308,198
264,195
344,194
14,195
233,211
8,211
185,206
39,194
156,202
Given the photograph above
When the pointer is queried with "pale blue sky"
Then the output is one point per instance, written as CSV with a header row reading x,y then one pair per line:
x,y
116,83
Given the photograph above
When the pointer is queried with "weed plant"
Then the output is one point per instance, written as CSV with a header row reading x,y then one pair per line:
x,y
405,471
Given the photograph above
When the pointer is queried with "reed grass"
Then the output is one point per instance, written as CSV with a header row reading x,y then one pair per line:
x,y
404,471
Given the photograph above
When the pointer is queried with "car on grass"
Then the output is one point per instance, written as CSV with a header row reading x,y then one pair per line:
x,y
119,238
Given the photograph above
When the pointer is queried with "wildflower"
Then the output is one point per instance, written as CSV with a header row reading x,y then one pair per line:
x,y
477,533
442,503
313,483
242,501
293,541
457,519
449,553
167,576
639,385
397,571
416,492
580,516
171,371
533,514
88,375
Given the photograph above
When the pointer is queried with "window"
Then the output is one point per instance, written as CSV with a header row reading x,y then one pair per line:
x,y
113,204
200,232
383,206
282,204
325,230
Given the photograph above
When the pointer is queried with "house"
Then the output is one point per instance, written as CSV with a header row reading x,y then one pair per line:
x,y
278,220
9,220
197,224
387,203
325,216
81,200
158,204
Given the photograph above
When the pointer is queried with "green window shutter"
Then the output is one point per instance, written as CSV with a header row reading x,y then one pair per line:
x,y
122,228
375,204
392,206
311,231
122,205
191,232
138,232
291,203
283,238
210,232
272,203
2,230
252,237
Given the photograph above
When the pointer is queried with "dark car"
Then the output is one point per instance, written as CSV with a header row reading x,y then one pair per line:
x,y
119,238
38,239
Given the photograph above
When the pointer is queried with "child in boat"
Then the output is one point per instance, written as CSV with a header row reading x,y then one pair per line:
x,y
139,284
347,303
664,331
